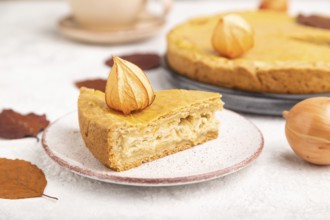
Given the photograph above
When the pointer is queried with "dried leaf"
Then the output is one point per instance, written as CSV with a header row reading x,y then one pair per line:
x,y
318,21
145,61
14,125
20,179
98,84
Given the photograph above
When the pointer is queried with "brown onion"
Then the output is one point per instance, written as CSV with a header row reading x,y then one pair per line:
x,y
308,129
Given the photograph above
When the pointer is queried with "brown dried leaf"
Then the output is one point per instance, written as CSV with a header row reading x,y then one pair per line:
x,y
14,125
145,61
318,21
98,84
20,179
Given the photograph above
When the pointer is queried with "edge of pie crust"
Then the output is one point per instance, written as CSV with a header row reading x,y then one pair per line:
x,y
287,58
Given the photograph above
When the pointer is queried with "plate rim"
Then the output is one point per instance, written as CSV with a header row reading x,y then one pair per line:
x,y
154,182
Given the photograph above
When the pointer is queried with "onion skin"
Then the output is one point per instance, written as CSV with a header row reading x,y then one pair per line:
x,y
307,129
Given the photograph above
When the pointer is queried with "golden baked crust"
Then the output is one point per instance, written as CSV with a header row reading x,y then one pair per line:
x,y
287,57
107,132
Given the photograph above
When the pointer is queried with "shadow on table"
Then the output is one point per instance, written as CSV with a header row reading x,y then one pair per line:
x,y
293,161
59,176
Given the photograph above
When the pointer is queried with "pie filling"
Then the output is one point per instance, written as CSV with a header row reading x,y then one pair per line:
x,y
157,138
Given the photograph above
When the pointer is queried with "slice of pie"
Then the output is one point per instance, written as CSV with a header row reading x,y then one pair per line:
x,y
176,120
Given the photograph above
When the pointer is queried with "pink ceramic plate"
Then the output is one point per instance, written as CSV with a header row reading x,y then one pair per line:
x,y
238,145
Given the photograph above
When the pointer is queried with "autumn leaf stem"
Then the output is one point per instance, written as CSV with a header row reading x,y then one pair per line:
x,y
51,197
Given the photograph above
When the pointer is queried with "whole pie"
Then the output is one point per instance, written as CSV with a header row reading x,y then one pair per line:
x,y
175,121
287,57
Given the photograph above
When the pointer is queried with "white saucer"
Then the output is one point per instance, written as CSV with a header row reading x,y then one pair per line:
x,y
145,27
238,145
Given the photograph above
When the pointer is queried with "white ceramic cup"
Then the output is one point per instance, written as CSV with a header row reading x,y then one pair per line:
x,y
105,14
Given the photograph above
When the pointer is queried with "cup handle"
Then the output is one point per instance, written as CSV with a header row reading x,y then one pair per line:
x,y
167,5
